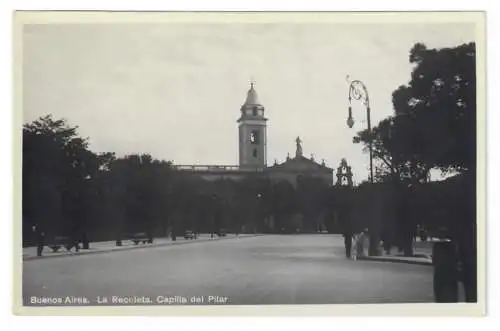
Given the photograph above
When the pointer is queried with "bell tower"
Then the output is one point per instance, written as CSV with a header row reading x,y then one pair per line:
x,y
252,132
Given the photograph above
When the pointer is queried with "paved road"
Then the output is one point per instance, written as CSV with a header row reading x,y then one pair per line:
x,y
288,269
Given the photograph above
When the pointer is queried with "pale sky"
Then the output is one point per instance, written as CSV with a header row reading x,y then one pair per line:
x,y
175,90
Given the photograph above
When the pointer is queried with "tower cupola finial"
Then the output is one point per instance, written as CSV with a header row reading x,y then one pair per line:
x,y
252,98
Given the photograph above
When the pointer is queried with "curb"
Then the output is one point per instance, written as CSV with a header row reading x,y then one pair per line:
x,y
115,249
390,260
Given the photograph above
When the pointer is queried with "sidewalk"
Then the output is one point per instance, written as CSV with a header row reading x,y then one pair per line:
x,y
422,255
29,253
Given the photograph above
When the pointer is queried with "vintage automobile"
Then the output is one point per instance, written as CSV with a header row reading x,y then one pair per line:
x,y
189,235
139,237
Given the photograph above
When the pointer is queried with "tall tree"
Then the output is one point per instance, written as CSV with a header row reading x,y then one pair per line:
x,y
142,192
434,127
440,103
57,166
394,162
435,116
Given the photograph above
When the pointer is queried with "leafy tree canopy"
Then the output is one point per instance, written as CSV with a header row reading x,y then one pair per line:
x,y
434,125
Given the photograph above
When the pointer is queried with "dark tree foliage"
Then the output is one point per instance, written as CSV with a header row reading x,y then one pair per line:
x,y
395,163
434,125
70,191
141,185
284,205
439,104
59,175
311,199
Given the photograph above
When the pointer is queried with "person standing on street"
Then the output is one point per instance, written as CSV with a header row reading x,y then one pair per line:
x,y
347,233
347,243
40,242
360,243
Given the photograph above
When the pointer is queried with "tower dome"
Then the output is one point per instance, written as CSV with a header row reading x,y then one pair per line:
x,y
252,97
252,108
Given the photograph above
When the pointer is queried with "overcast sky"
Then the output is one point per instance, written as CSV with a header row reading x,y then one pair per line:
x,y
175,90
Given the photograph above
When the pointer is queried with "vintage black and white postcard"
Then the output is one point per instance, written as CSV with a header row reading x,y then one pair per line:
x,y
249,163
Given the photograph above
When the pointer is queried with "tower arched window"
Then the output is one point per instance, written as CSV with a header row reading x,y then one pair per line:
x,y
255,152
254,137
254,110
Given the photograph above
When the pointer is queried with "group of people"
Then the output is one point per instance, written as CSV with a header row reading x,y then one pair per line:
x,y
355,244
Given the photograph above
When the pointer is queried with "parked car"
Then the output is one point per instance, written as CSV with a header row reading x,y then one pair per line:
x,y
189,235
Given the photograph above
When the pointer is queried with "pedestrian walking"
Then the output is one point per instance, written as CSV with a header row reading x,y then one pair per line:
x,y
354,254
347,232
40,243
348,243
360,243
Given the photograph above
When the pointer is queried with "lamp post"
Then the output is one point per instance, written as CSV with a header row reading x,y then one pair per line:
x,y
358,91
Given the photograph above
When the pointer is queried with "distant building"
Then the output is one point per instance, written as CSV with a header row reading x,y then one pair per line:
x,y
252,125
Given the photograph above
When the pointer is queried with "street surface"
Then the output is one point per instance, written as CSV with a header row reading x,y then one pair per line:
x,y
268,269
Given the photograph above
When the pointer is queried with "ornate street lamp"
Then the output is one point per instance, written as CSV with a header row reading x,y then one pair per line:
x,y
358,91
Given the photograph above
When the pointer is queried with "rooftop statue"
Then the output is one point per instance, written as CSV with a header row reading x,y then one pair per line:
x,y
298,152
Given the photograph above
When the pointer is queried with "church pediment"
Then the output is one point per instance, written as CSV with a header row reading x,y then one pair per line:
x,y
300,164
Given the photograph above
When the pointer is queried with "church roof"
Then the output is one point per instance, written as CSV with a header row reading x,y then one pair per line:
x,y
252,97
300,164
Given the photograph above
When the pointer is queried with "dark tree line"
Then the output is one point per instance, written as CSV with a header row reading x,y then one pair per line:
x,y
70,191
